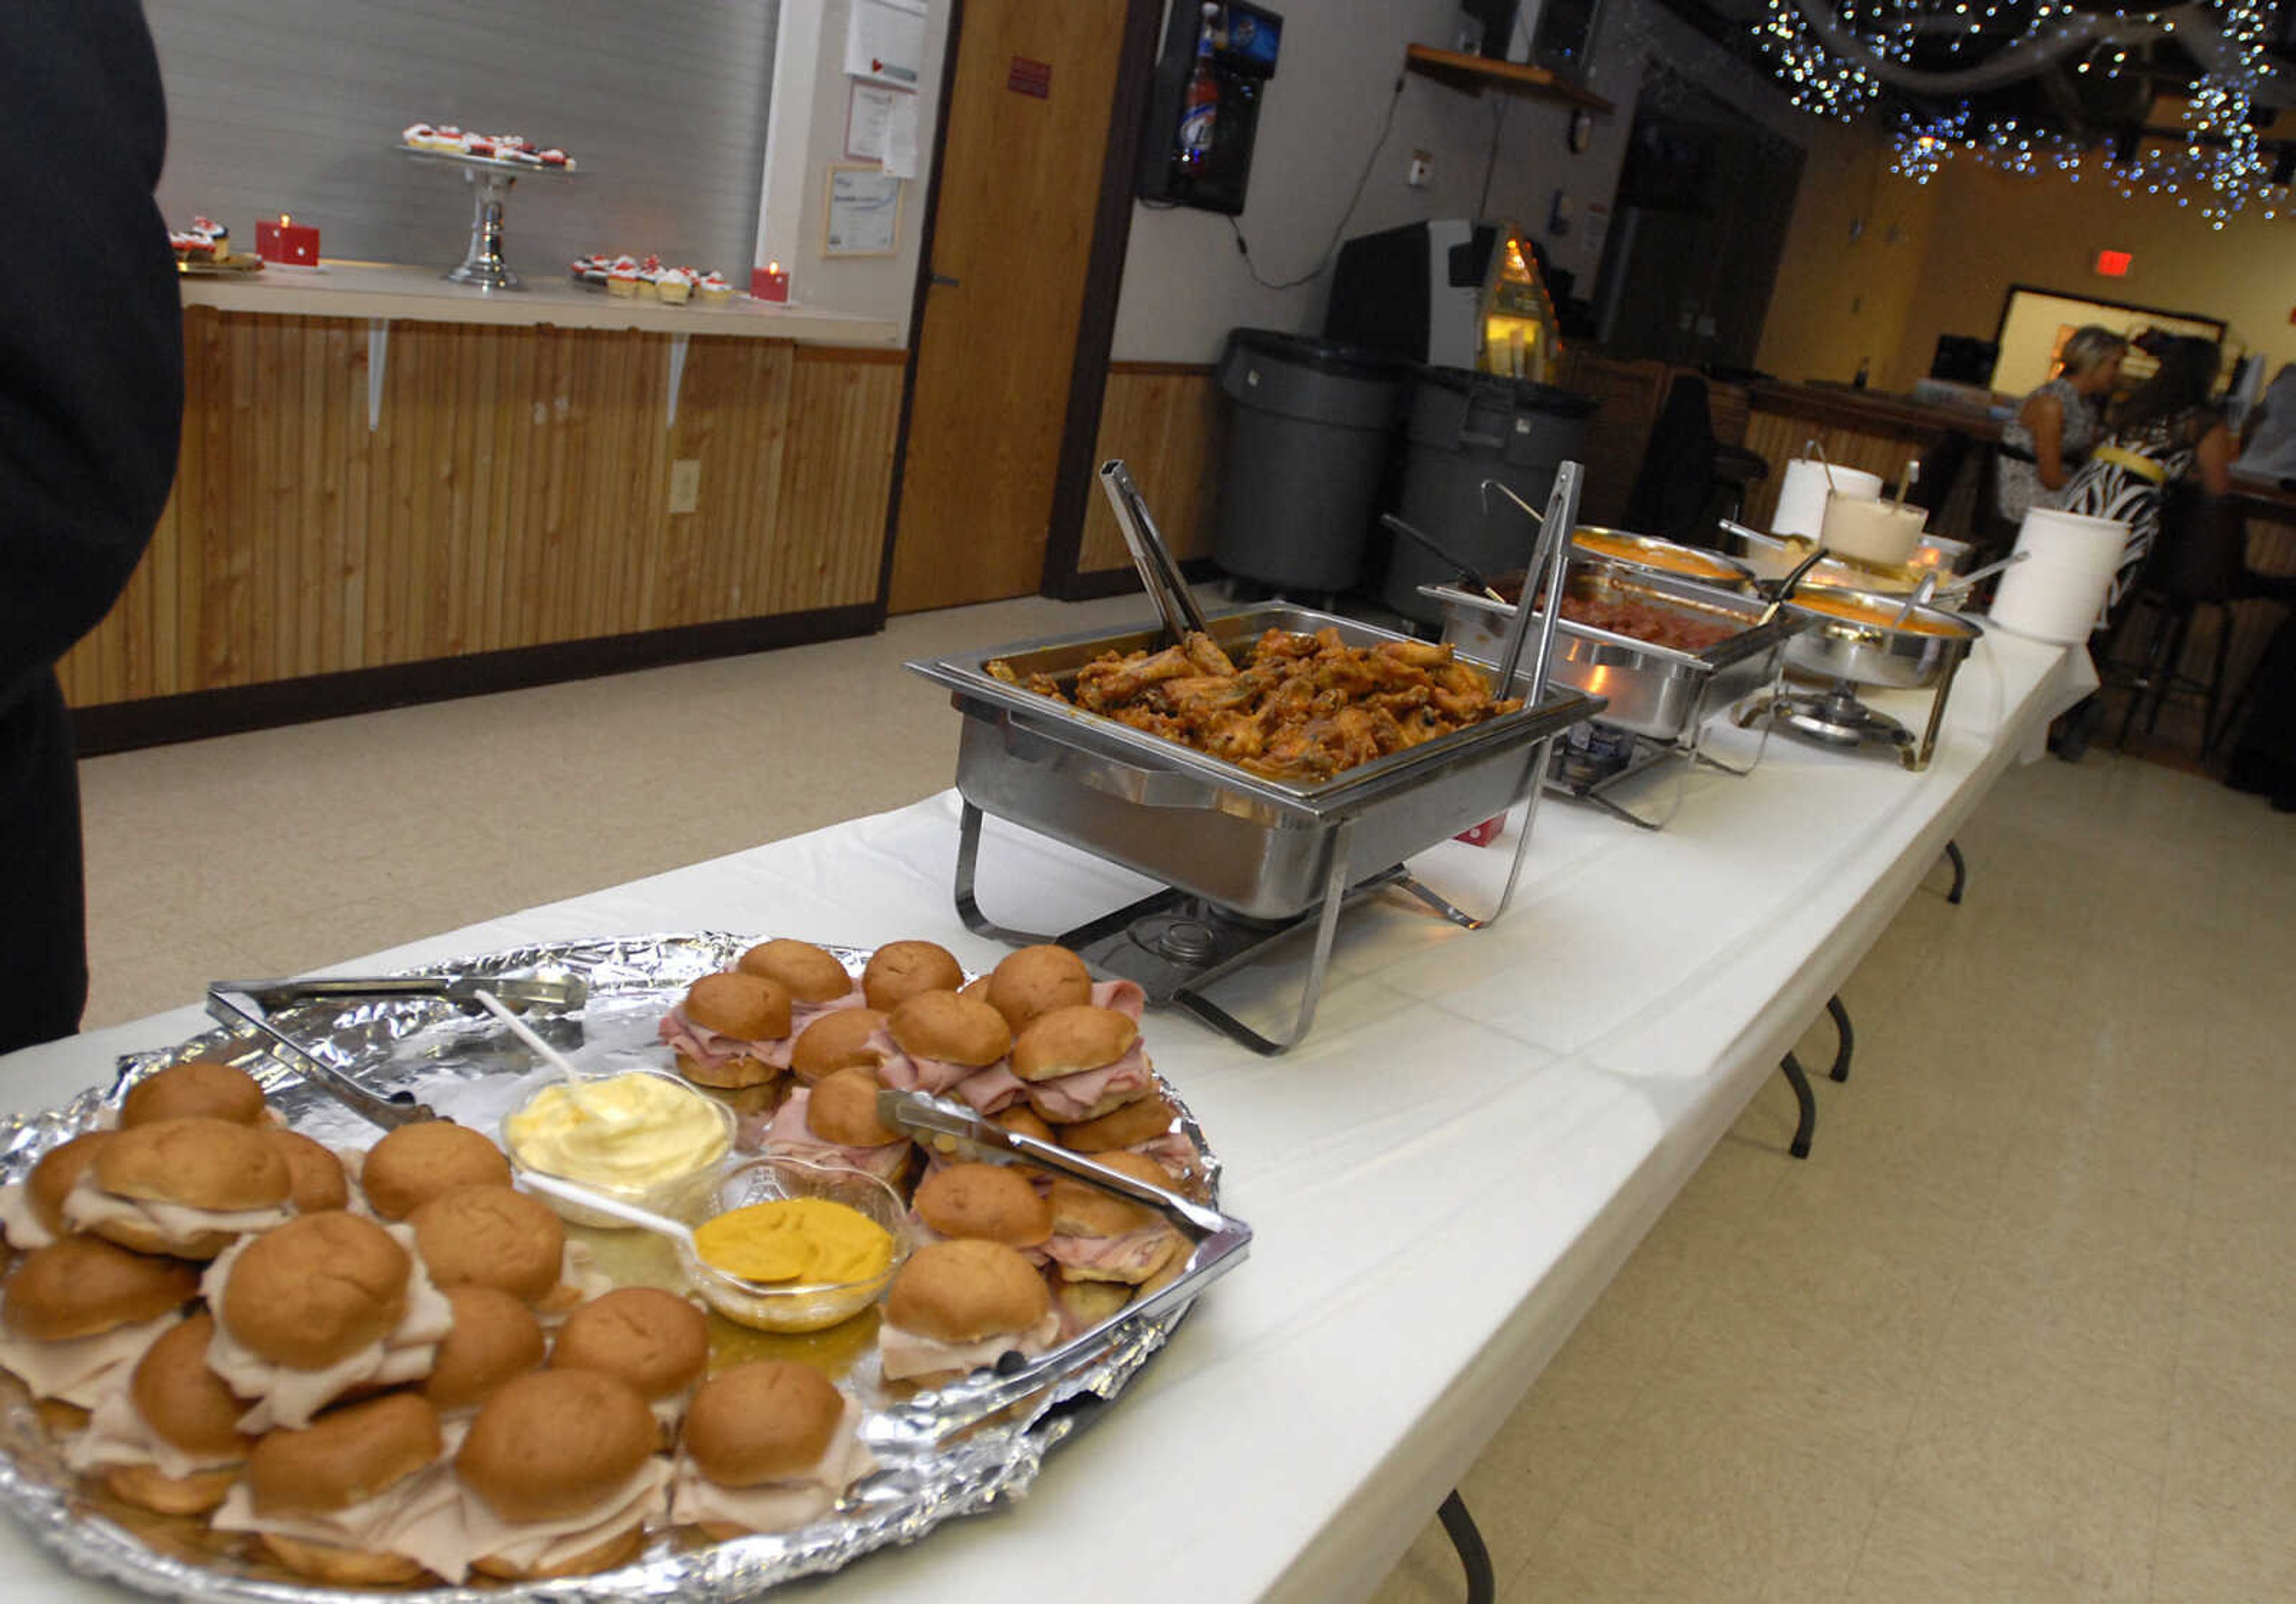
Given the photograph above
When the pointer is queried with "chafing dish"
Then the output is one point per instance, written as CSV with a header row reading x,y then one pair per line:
x,y
1868,649
1652,555
1255,846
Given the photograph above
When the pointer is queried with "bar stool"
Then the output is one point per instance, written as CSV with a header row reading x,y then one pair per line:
x,y
2198,561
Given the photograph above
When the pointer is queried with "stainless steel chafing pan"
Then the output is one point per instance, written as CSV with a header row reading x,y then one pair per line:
x,y
1256,847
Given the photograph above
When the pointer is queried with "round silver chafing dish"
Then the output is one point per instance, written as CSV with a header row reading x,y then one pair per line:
x,y
1652,554
1851,636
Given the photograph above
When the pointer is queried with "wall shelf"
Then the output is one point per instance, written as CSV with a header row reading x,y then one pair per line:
x,y
1473,74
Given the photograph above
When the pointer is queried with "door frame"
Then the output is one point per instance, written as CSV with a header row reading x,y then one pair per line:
x,y
1111,234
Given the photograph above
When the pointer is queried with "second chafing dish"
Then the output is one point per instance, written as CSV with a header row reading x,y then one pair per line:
x,y
1851,634
1660,691
1256,847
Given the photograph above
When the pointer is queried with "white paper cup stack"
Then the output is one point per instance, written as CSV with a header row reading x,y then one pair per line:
x,y
2057,593
1801,495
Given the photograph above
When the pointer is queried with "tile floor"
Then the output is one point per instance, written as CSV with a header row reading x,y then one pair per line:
x,y
2023,1328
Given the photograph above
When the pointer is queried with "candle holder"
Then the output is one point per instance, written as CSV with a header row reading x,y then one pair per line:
x,y
769,283
490,182
286,244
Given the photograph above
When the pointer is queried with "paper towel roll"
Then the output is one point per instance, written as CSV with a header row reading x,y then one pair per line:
x,y
2058,593
1801,495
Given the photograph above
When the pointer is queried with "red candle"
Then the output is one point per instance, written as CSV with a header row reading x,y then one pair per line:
x,y
769,283
289,243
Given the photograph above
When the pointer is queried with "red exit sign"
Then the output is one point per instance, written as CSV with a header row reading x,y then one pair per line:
x,y
2112,263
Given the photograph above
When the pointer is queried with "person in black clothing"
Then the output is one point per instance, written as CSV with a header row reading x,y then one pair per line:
x,y
91,410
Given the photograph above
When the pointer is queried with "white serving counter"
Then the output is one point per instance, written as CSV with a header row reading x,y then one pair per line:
x,y
1442,1179
374,289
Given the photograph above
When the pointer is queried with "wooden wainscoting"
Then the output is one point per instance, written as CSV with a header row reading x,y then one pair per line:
x,y
1163,419
514,496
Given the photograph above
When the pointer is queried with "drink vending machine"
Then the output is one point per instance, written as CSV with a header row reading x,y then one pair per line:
x,y
1204,107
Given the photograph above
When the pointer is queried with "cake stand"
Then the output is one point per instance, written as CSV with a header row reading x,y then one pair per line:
x,y
490,180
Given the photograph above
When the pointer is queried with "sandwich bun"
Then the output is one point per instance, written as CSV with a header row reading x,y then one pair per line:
x,y
416,1163
976,990
345,1457
185,1404
196,1162
762,1422
1083,1210
836,1040
745,1006
340,1566
942,1025
654,1341
808,973
1022,1120
495,1340
55,1175
1152,1116
987,1202
842,1108
1036,980
615,1551
148,1487
491,1236
901,970
82,1286
1085,1304
1070,1040
199,1088
742,1075
310,1293
966,1291
315,1180
553,1443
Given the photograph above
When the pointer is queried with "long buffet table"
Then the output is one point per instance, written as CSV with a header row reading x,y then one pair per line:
x,y
1442,1179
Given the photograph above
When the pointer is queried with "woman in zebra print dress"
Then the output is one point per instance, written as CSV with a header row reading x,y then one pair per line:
x,y
2166,431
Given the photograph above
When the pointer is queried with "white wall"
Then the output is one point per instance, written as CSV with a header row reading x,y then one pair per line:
x,y
1185,284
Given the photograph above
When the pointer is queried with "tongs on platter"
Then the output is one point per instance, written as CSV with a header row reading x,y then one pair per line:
x,y
1167,587
246,1007
1218,1243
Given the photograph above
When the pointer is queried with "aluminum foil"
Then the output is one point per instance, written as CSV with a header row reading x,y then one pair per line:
x,y
464,1063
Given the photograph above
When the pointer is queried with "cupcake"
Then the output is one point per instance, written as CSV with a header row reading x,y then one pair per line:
x,y
445,136
553,158
715,290
623,278
478,144
673,286
420,135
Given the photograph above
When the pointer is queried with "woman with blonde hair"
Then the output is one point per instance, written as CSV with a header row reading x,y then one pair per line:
x,y
2049,439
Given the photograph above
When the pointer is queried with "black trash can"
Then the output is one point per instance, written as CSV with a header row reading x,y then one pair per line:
x,y
1310,422
1464,427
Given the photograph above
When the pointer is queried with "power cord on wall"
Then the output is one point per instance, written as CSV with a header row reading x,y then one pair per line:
x,y
1386,127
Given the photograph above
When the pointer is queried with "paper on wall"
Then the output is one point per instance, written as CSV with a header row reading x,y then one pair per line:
x,y
900,156
885,39
866,114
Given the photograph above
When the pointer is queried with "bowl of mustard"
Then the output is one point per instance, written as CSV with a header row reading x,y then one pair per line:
x,y
784,1244
641,1136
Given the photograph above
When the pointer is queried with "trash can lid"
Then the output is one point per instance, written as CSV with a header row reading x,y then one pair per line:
x,y
1524,394
1315,354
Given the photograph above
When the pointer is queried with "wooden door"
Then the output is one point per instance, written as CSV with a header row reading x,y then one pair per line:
x,y
1017,190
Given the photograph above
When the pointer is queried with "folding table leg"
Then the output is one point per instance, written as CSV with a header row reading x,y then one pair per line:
x,y
1960,872
1846,1044
1475,1558
1791,1067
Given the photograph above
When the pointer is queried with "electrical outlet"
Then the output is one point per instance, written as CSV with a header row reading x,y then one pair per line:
x,y
685,484
1423,168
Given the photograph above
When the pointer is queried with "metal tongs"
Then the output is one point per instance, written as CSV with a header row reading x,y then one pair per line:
x,y
1220,1243
1168,588
246,1005
1467,576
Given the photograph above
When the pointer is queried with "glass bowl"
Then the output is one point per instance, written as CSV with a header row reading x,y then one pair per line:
x,y
790,1306
661,1195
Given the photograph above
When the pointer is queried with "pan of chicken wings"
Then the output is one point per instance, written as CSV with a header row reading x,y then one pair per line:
x,y
1229,763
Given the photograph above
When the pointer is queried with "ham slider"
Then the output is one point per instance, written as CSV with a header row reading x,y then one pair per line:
x,y
494,1341
196,1088
655,1340
835,1123
958,1307
350,1499
768,1447
33,1209
494,1236
901,969
983,1202
851,1038
943,1039
1036,979
732,1032
326,1304
1099,1236
1078,1063
416,1163
1151,1127
188,1187
79,1313
561,1476
316,1180
169,1440
816,982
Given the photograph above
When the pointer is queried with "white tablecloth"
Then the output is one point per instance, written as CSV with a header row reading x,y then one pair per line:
x,y
1441,1179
